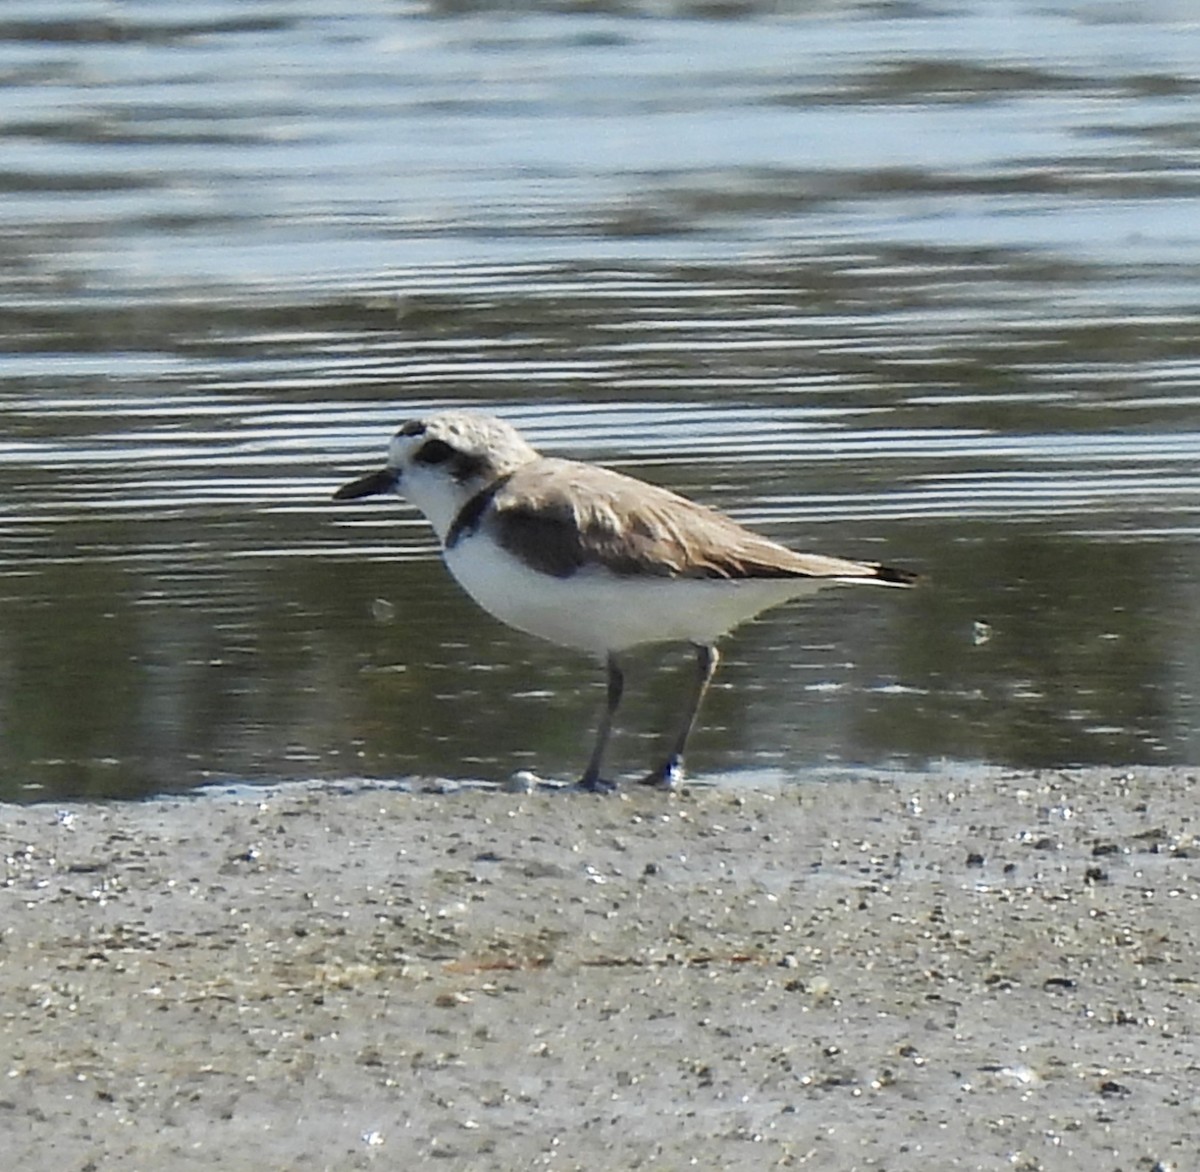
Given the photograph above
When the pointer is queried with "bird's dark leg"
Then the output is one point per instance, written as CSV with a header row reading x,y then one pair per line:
x,y
671,770
591,779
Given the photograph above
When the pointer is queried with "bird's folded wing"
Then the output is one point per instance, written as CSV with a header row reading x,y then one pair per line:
x,y
564,517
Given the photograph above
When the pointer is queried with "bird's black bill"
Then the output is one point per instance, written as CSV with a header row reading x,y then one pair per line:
x,y
370,485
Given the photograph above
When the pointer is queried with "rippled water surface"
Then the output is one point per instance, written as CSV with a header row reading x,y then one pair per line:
x,y
908,281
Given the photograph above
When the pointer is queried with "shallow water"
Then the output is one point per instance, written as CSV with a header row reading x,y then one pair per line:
x,y
908,281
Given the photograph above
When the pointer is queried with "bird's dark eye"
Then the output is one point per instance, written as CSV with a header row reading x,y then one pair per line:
x,y
434,451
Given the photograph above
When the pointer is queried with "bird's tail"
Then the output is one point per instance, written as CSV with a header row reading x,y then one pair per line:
x,y
893,576
873,574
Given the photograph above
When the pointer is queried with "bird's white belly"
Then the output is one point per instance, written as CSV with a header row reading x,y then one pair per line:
x,y
597,611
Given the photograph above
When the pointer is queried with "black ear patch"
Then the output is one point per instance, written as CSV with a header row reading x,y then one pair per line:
x,y
462,466
412,427
434,451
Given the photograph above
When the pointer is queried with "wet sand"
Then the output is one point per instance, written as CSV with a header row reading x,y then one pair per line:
x,y
965,969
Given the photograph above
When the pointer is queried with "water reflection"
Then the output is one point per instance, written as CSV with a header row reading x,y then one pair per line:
x,y
884,280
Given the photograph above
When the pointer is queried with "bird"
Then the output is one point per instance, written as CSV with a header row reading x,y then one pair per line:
x,y
592,559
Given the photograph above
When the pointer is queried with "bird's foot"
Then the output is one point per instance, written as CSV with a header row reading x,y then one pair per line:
x,y
597,785
667,776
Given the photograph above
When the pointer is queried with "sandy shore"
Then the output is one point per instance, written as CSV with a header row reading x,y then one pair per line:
x,y
971,969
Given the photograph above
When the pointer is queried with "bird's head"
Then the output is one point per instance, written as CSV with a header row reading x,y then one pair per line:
x,y
438,463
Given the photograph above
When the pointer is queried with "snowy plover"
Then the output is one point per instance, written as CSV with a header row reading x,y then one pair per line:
x,y
589,558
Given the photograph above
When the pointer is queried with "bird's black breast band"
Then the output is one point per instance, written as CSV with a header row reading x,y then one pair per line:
x,y
470,515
